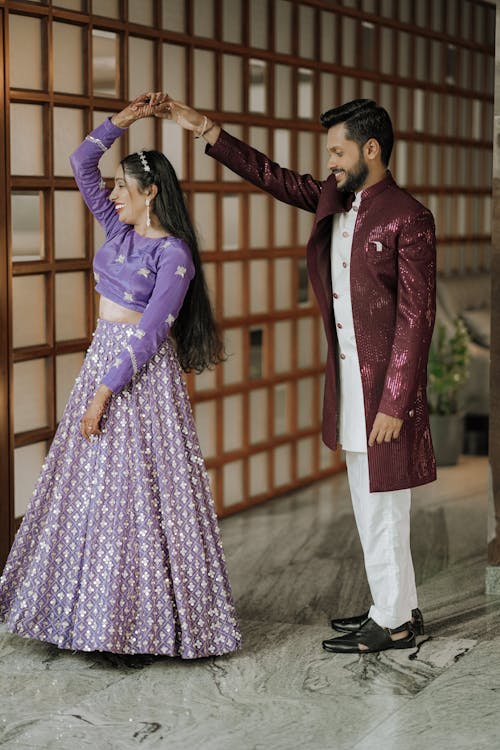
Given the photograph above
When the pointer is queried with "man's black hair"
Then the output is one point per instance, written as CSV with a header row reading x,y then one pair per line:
x,y
363,119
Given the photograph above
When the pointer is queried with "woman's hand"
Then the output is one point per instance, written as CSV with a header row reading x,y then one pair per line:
x,y
90,423
142,106
188,118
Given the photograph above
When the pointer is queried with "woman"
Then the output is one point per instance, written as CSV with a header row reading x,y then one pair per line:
x,y
119,550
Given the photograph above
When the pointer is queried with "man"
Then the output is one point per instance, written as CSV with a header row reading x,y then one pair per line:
x,y
371,261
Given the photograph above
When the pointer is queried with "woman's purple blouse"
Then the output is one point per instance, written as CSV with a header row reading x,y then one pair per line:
x,y
150,275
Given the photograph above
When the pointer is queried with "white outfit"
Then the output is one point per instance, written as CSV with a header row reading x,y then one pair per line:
x,y
352,431
383,521
382,518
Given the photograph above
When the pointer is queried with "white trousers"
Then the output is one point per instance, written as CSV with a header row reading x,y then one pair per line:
x,y
383,521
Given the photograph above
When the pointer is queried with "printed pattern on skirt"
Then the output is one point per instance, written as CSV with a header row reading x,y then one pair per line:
x,y
119,549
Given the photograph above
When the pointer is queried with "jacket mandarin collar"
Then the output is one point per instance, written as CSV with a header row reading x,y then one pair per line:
x,y
378,188
334,201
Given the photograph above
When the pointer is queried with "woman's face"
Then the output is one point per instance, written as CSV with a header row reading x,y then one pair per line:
x,y
130,202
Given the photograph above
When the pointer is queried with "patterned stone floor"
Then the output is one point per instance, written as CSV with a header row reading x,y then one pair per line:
x,y
294,562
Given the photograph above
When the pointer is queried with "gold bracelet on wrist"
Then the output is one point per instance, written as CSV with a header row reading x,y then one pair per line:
x,y
209,128
204,128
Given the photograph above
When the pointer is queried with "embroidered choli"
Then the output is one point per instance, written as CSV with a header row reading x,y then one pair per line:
x,y
149,275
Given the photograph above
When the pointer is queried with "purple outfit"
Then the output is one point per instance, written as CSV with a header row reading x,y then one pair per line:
x,y
144,274
119,549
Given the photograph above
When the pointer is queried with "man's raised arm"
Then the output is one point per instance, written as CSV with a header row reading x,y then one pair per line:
x,y
301,191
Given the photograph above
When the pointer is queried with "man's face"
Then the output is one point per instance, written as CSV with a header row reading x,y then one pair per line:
x,y
346,160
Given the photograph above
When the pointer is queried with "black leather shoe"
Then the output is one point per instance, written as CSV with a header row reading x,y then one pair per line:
x,y
373,636
352,624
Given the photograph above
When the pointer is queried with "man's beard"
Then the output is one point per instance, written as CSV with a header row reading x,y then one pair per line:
x,y
355,178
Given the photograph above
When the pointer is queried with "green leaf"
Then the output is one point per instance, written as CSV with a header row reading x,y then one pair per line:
x,y
448,368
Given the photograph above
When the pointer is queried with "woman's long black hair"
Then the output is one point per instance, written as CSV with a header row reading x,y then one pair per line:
x,y
197,336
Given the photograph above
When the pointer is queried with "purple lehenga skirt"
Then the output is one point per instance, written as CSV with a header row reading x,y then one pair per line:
x,y
119,549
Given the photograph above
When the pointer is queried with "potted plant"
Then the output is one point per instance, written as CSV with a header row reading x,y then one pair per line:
x,y
448,370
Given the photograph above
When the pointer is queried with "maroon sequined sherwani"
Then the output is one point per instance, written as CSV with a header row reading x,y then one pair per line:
x,y
393,270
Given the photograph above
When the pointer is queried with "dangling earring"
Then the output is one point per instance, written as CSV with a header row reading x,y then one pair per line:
x,y
148,217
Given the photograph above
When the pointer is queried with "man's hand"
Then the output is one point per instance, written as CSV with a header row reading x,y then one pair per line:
x,y
385,429
188,118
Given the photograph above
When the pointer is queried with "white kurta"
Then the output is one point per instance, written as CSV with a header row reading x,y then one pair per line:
x,y
352,429
382,518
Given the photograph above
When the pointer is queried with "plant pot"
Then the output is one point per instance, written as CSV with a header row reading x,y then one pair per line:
x,y
447,437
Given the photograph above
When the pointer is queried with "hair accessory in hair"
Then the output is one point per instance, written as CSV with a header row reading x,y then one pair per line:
x,y
144,161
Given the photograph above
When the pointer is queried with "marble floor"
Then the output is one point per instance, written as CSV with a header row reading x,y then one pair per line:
x,y
294,562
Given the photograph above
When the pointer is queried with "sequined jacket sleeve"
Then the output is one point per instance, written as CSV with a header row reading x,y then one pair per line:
x,y
416,307
174,273
300,190
84,162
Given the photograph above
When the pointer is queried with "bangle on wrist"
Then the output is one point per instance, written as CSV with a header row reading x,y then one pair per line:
x,y
209,128
204,129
